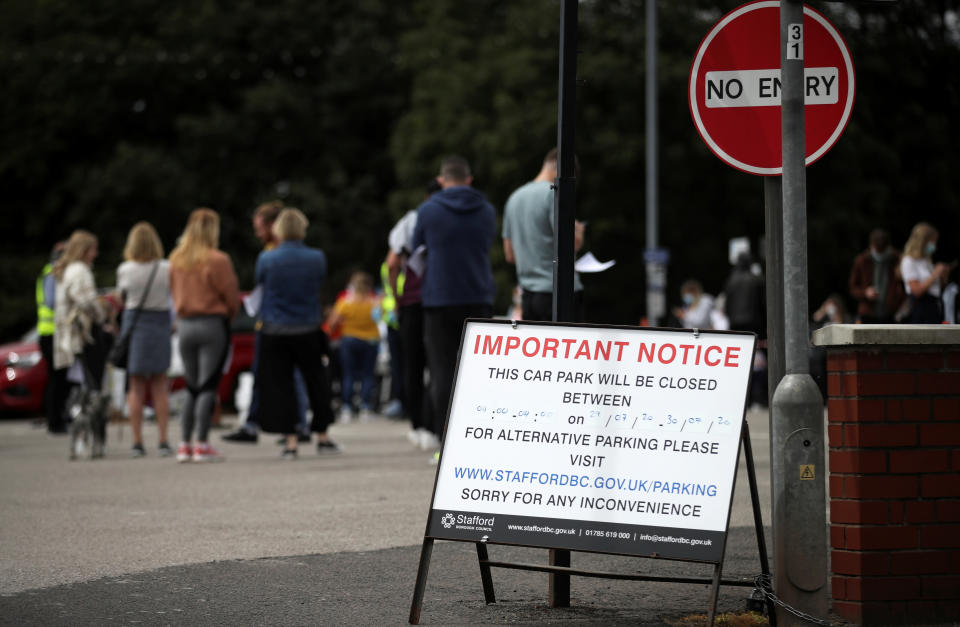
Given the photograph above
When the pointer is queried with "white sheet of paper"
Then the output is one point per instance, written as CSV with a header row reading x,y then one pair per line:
x,y
418,260
253,300
589,263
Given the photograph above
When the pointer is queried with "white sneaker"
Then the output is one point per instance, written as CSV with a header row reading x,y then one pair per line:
x,y
413,435
345,416
429,441
366,415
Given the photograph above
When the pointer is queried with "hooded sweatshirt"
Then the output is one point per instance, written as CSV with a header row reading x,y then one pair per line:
x,y
458,226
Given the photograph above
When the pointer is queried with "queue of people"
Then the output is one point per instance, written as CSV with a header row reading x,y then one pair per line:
x,y
437,273
888,287
195,291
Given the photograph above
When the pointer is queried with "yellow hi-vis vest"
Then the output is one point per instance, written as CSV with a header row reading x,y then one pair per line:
x,y
388,304
45,324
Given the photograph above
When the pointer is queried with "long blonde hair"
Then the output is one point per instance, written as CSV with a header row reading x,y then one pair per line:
x,y
200,237
143,243
919,236
76,249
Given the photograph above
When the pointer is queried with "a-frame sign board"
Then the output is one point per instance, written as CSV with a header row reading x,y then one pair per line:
x,y
617,440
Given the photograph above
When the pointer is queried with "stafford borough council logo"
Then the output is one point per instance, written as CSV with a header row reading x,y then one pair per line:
x,y
447,520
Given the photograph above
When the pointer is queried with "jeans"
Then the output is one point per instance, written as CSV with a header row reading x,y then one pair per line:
x,y
358,359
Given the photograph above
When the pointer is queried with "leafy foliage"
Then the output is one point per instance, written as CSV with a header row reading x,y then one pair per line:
x,y
145,109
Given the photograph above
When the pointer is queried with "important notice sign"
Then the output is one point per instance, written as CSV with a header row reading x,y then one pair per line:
x,y
607,439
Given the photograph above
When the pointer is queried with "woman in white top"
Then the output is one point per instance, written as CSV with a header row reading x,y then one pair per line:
x,y
921,277
78,314
149,357
697,306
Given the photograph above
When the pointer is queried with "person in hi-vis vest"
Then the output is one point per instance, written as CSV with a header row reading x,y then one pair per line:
x,y
55,393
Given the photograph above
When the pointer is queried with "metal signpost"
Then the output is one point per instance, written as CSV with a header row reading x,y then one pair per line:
x,y
771,90
654,257
563,225
797,433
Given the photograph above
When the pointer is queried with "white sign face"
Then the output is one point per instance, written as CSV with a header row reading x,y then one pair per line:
x,y
761,88
616,440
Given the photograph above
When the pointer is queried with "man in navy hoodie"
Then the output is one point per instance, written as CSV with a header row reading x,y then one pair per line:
x,y
457,225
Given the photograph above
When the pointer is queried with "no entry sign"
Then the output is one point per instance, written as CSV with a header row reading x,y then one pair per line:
x,y
735,86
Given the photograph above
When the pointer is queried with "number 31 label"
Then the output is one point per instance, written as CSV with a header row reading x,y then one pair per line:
x,y
795,42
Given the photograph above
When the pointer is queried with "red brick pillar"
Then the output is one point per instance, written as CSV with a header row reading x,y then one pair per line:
x,y
894,435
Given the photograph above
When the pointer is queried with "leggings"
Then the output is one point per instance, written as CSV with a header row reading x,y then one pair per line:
x,y
203,348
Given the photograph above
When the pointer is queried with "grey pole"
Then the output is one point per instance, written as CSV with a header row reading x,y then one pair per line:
x,y
656,273
797,433
773,218
565,196
563,216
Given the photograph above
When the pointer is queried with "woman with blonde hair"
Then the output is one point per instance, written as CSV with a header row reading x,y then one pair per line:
x,y
79,338
921,278
292,275
143,283
204,289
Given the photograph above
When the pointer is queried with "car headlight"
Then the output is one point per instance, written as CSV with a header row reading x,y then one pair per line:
x,y
23,360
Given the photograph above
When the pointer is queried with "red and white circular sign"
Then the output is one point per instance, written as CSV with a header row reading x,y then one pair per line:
x,y
735,86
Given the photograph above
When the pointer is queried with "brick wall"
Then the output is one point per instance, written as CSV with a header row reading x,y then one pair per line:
x,y
894,436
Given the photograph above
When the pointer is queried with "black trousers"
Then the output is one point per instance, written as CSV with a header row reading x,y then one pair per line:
x,y
55,394
94,357
414,358
396,365
538,306
442,328
926,309
279,355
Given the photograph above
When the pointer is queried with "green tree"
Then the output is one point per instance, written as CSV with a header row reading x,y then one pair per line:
x,y
147,109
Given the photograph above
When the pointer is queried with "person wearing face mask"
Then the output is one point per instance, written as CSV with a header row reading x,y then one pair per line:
x,y
921,277
695,313
832,311
874,283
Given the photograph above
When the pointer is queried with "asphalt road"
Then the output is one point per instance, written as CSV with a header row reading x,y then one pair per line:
x,y
324,540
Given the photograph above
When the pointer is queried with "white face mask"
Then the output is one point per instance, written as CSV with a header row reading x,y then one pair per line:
x,y
831,310
929,249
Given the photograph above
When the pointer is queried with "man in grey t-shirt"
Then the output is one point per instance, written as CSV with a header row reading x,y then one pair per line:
x,y
528,243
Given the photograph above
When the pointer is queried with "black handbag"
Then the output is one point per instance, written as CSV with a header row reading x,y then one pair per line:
x,y
120,351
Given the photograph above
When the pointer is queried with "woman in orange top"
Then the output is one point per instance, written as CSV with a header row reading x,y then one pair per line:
x,y
354,316
204,289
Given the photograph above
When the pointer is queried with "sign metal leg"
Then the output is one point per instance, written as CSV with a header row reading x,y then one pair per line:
x,y
757,515
559,582
489,596
420,587
714,593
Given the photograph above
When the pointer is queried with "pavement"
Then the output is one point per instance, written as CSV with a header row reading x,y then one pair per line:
x,y
323,540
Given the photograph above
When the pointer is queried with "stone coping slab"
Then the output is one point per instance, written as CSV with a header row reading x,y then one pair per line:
x,y
887,334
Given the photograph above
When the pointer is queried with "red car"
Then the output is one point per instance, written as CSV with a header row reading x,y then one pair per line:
x,y
24,376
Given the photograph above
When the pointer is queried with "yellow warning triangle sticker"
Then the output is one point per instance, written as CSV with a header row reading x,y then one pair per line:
x,y
807,472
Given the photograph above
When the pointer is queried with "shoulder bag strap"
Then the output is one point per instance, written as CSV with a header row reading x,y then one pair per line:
x,y
146,292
